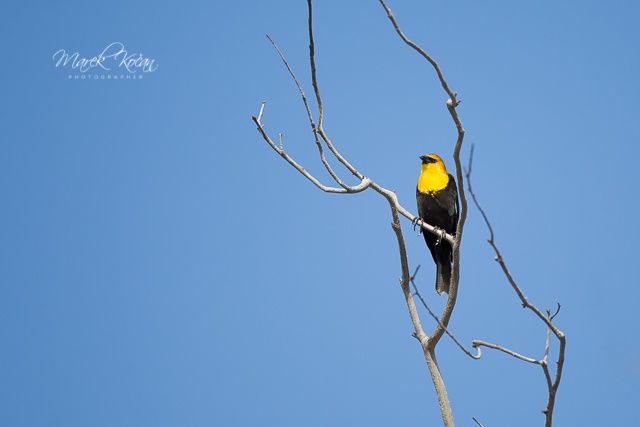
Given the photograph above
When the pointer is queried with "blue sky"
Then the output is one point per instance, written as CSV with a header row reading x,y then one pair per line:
x,y
161,265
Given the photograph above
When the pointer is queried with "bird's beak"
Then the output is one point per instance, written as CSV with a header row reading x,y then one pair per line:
x,y
423,158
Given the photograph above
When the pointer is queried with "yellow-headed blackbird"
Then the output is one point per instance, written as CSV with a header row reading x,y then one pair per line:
x,y
437,197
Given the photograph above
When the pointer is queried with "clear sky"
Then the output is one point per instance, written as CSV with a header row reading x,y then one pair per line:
x,y
161,265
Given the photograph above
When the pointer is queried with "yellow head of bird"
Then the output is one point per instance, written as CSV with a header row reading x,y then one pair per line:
x,y
433,174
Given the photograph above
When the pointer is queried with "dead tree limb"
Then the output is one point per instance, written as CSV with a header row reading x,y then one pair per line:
x,y
552,384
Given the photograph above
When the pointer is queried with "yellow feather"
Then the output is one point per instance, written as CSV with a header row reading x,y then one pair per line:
x,y
433,176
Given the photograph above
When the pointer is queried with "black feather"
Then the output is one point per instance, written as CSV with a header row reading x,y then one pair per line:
x,y
440,209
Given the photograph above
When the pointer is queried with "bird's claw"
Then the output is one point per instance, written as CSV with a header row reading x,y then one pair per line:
x,y
440,233
415,223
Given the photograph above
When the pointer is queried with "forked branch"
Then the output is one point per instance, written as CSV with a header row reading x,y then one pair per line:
x,y
552,384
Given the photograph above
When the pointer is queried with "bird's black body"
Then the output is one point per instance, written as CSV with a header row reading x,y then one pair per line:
x,y
440,209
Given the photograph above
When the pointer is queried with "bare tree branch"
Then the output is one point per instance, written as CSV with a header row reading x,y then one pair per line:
x,y
335,177
477,422
314,82
552,385
443,82
364,184
433,315
477,344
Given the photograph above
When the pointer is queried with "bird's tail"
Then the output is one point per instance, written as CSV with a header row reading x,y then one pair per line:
x,y
443,277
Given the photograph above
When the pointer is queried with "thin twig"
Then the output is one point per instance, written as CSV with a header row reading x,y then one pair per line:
x,y
323,159
435,317
295,79
477,344
552,385
443,82
500,259
547,342
364,184
405,279
312,60
316,89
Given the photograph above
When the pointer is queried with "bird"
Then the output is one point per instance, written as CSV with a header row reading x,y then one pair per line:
x,y
437,197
